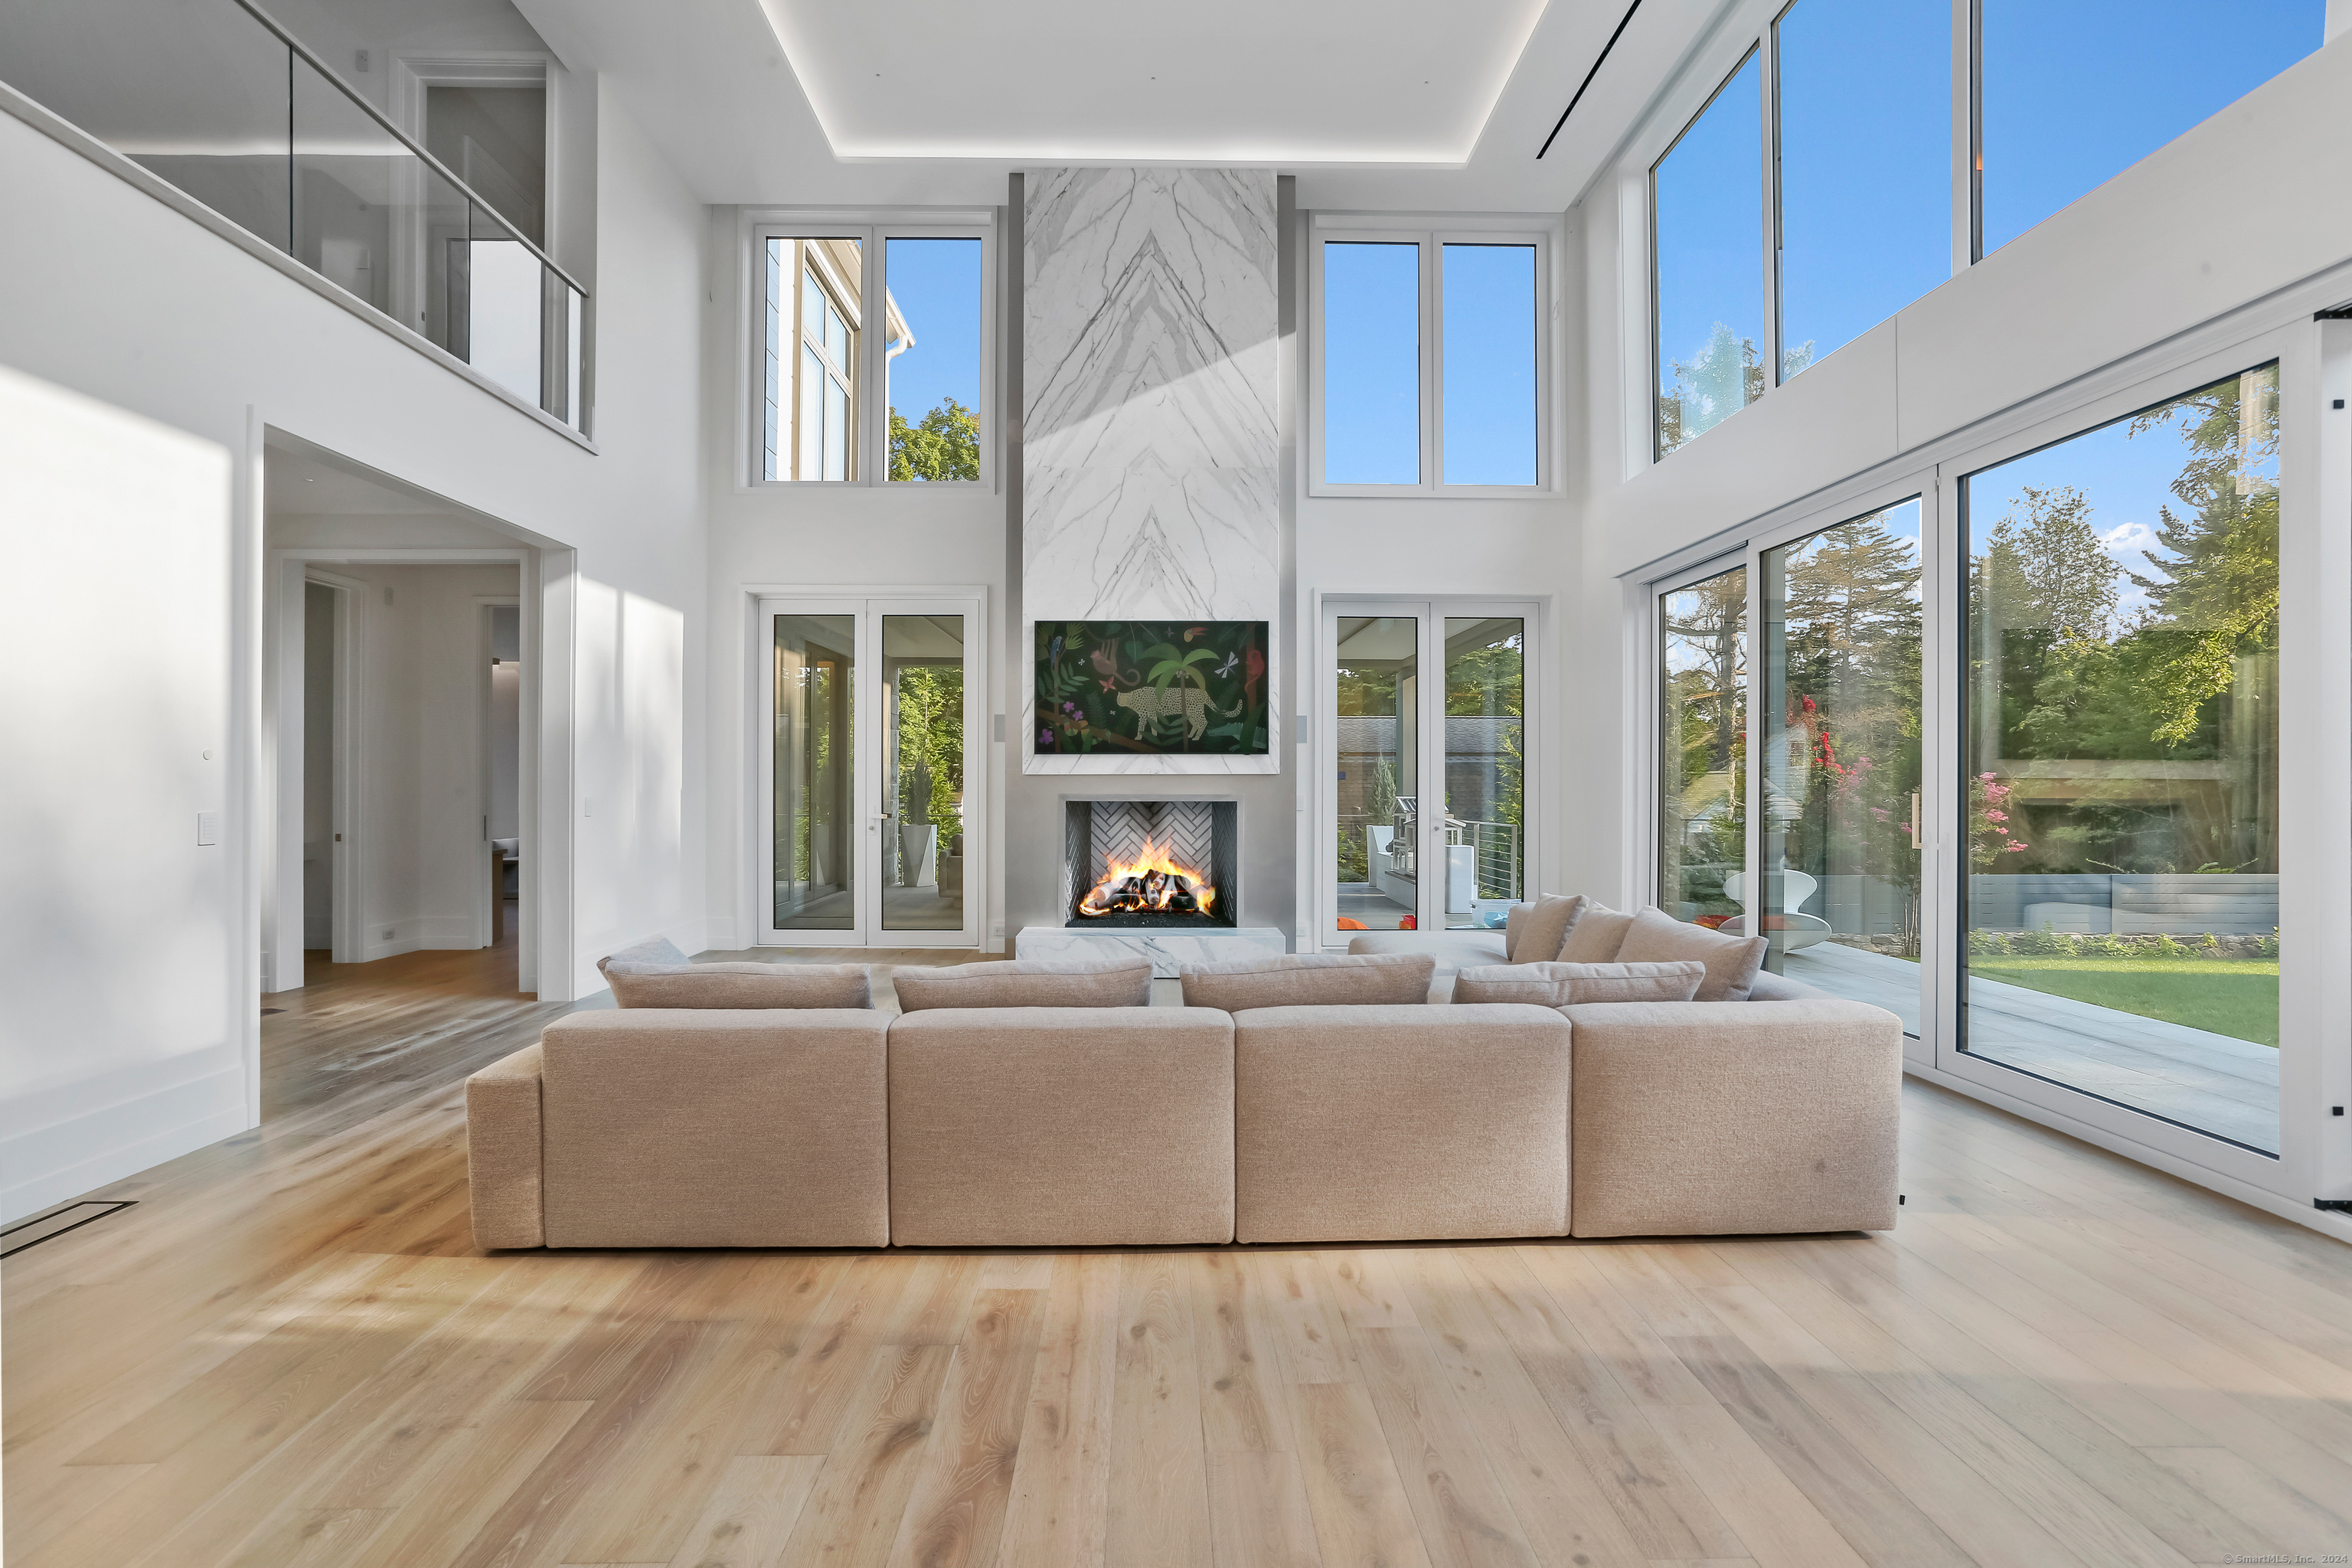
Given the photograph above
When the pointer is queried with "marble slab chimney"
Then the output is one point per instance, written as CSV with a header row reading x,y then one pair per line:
x,y
1149,455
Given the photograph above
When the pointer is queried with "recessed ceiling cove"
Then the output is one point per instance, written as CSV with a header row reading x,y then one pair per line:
x,y
1204,81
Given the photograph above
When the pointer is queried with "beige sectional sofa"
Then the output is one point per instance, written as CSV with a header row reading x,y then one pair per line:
x,y
1114,1123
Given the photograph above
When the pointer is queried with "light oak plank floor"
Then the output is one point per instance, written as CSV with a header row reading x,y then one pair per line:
x,y
290,1352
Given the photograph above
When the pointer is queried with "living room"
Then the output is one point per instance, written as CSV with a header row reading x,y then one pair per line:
x,y
1549,786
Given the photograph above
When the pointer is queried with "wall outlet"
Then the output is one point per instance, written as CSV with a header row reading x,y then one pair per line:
x,y
207,827
387,933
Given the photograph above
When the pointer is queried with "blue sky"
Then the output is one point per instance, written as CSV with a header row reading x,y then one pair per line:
x,y
2126,479
936,285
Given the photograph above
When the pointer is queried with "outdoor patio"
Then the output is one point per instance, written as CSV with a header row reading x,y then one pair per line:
x,y
2211,1082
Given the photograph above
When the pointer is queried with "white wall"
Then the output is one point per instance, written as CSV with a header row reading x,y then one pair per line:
x,y
122,1039
166,341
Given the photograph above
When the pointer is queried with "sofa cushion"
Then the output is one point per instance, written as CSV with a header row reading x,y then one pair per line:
x,y
1055,1127
1026,982
1596,936
1543,930
1400,1123
1731,961
653,950
1309,978
1561,984
707,1128
739,986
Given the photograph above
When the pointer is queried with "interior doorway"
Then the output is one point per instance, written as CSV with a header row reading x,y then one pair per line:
x,y
503,769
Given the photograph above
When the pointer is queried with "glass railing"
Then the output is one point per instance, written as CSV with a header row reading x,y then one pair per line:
x,y
216,97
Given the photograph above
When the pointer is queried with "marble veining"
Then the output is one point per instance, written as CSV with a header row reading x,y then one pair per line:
x,y
1150,435
1166,949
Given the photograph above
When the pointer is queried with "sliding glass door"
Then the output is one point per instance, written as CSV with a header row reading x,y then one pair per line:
x,y
2003,747
2119,705
1423,757
871,707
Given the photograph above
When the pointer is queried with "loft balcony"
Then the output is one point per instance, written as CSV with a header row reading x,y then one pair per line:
x,y
228,108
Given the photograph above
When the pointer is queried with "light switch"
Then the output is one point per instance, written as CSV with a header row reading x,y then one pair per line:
x,y
207,827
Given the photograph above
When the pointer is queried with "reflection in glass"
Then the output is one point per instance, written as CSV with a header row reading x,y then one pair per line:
x,y
2121,749
1485,768
1865,128
1489,313
809,415
815,820
922,754
932,357
1371,364
505,307
1376,859
1840,765
1708,209
1703,748
2075,94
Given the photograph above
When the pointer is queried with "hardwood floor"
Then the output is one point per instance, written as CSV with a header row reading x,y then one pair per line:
x,y
289,1352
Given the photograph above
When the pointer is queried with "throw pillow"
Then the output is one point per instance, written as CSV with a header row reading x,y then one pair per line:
x,y
1026,982
1545,930
1731,961
738,985
1561,984
1309,980
1596,935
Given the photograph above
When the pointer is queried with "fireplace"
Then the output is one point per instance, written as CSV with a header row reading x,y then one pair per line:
x,y
1151,864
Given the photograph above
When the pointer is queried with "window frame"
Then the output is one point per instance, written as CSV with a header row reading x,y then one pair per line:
x,y
1431,234
869,418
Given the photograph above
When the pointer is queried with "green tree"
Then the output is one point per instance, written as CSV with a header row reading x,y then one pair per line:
x,y
1725,378
945,445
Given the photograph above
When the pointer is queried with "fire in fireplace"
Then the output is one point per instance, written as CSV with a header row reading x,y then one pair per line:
x,y
1153,881
1170,863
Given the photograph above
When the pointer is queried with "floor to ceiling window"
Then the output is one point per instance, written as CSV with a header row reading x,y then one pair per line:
x,y
1841,709
2121,739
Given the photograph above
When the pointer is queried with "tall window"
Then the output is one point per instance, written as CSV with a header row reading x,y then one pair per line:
x,y
1839,662
1856,205
1429,368
927,290
1708,208
2121,762
1702,749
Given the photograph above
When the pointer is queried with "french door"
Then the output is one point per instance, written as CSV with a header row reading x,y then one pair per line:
x,y
1423,756
871,708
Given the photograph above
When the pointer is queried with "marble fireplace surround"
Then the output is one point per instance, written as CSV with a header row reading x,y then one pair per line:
x,y
1149,442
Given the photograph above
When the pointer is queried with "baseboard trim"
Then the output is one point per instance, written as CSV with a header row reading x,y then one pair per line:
x,y
134,1135
2327,1223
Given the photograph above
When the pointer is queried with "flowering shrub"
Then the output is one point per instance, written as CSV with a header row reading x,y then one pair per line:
x,y
1991,832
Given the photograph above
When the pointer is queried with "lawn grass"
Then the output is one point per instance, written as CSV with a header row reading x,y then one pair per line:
x,y
2237,998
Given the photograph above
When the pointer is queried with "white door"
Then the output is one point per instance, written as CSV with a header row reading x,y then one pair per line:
x,y
1422,760
871,708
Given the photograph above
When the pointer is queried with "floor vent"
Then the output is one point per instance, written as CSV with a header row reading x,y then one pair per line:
x,y
73,1216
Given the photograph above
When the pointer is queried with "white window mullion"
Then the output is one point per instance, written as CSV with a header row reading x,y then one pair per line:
x,y
1432,365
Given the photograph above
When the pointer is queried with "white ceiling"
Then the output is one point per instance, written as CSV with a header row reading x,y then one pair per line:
x,y
776,101
1209,81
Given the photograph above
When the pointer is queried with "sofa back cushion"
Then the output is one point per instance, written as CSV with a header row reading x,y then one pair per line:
x,y
1309,978
1595,937
1731,961
737,985
1028,983
1562,984
1534,934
